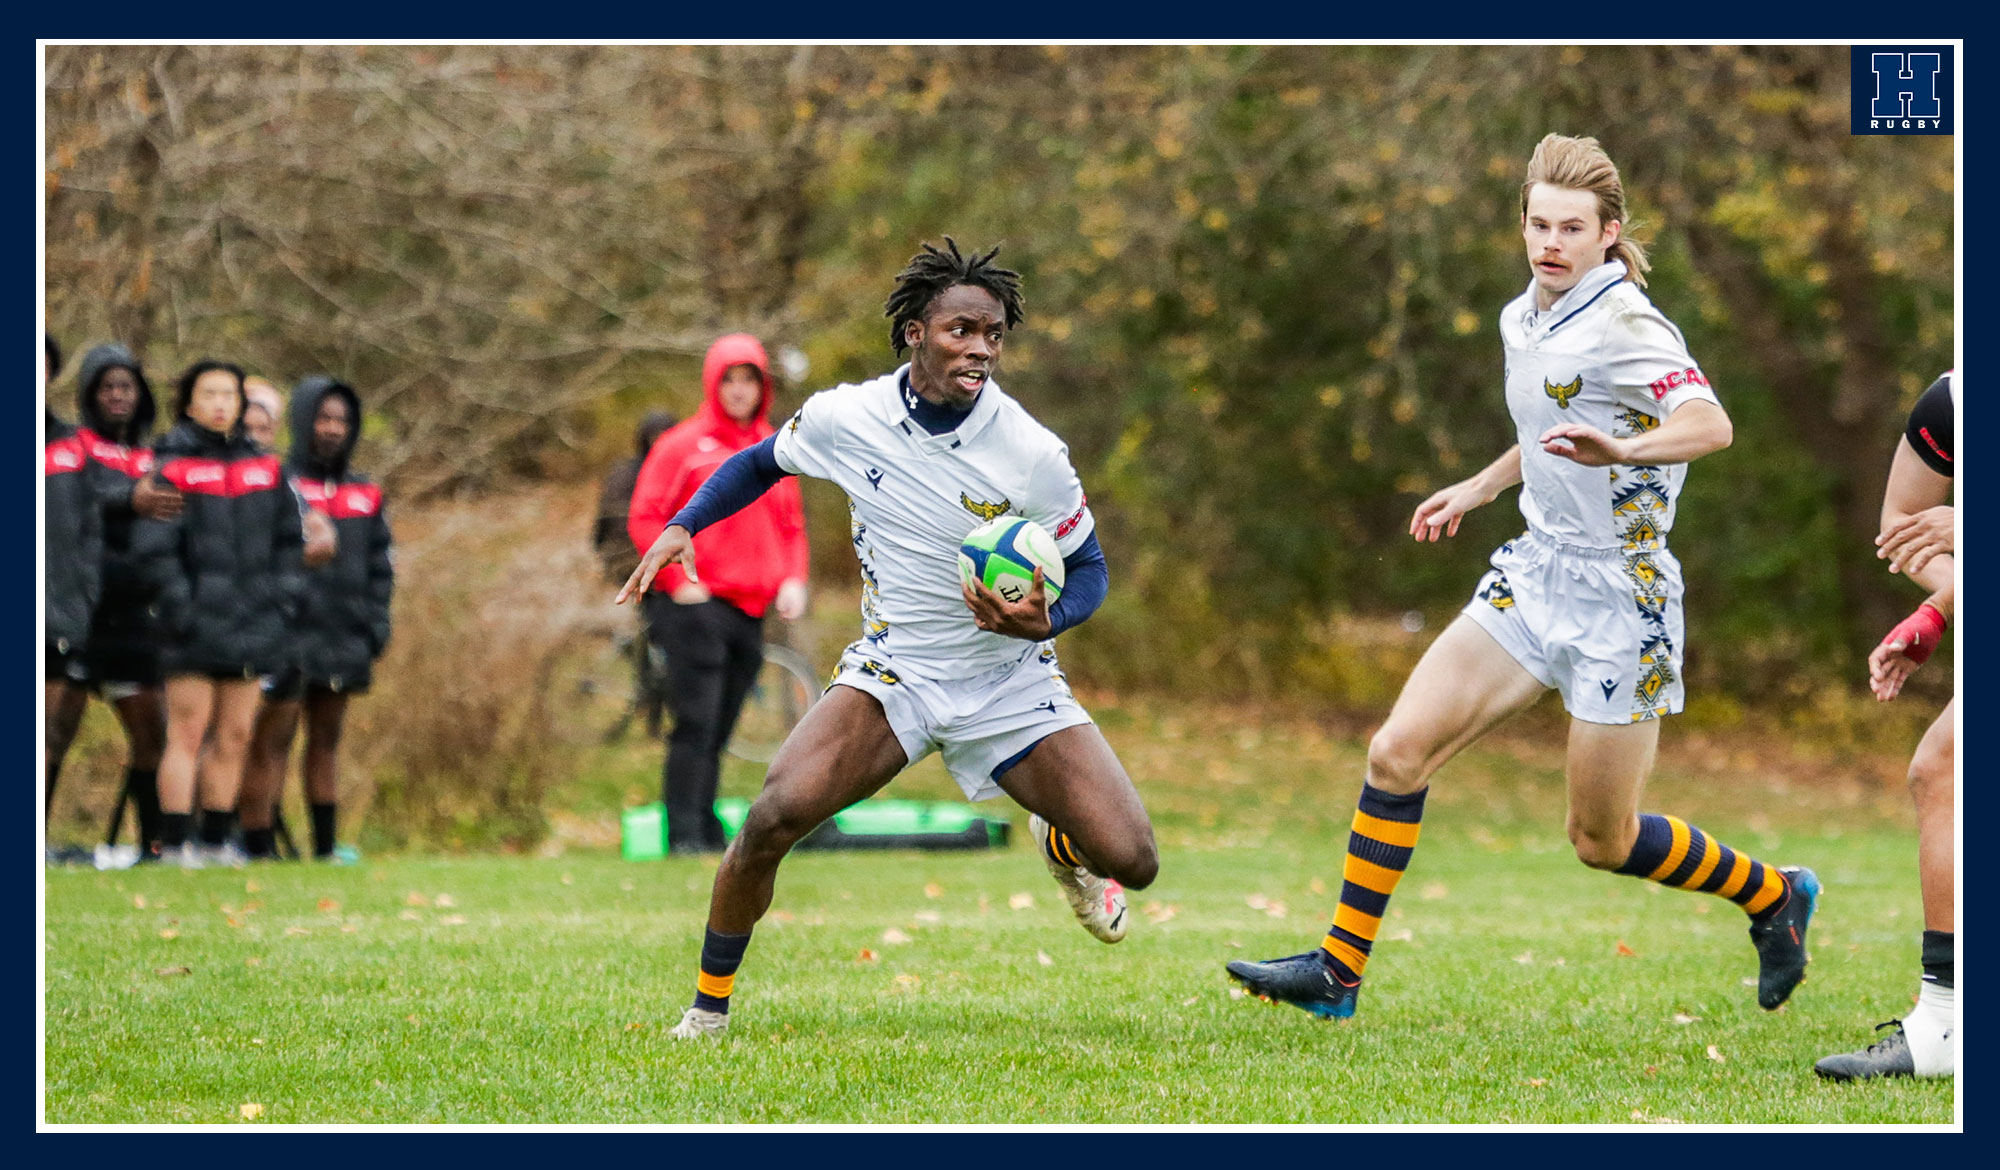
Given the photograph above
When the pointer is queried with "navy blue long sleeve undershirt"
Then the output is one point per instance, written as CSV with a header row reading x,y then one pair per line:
x,y
751,472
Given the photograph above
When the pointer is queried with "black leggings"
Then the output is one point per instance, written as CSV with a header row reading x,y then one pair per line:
x,y
714,651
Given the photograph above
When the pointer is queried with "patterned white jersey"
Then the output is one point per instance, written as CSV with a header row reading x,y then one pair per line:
x,y
1602,355
914,497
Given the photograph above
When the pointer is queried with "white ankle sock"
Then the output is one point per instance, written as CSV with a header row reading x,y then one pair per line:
x,y
1932,1030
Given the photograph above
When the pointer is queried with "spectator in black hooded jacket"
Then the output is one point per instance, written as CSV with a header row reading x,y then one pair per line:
x,y
115,410
227,574
73,570
342,627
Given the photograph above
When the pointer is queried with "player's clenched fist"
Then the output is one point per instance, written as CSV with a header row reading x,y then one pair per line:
x,y
674,544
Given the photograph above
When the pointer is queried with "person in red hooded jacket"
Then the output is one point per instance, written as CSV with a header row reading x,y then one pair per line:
x,y
751,563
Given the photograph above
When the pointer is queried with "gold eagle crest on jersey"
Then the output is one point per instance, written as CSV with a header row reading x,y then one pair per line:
x,y
986,512
1562,392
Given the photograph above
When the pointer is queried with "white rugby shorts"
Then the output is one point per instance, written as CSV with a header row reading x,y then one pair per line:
x,y
1603,626
978,723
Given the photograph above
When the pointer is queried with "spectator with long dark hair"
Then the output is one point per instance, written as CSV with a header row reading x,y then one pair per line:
x,y
227,578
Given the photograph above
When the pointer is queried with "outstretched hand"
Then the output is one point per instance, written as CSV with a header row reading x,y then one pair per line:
x,y
1444,510
674,544
1027,618
1584,444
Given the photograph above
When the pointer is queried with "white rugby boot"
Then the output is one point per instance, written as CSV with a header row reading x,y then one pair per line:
x,y
1098,902
697,1023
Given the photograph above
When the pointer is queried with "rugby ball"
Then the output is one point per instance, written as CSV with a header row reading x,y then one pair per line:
x,y
1002,555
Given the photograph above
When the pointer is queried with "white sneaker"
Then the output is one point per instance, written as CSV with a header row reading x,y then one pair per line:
x,y
228,854
1098,902
188,856
697,1023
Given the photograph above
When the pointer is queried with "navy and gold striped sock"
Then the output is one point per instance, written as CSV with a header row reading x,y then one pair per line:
x,y
1378,851
721,955
1057,844
1674,853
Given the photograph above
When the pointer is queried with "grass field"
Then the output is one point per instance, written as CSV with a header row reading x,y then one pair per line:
x,y
1511,984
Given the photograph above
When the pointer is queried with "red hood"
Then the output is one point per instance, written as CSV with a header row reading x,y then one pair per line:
x,y
735,349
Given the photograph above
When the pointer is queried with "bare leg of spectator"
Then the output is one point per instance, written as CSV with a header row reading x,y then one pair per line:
x,y
236,703
264,773
65,715
325,713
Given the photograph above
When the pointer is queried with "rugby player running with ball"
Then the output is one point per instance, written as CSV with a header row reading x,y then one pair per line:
x,y
1609,409
926,454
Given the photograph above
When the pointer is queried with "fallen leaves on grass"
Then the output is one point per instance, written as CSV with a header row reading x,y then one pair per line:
x,y
1257,902
347,928
170,972
1158,912
328,906
1403,935
415,899
234,921
444,901
894,937
1317,886
866,956
1020,901
1683,1018
1625,952
138,901
928,917
1715,1054
170,934
1525,957
567,879
933,890
1536,1082
254,961
908,982
250,1111
1042,957
251,886
297,930
1237,993
1435,892
410,916
635,1026
452,920
1190,1001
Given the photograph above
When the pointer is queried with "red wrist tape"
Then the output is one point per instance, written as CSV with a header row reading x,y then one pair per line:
x,y
1919,633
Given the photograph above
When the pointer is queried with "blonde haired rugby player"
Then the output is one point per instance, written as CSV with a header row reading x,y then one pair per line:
x,y
1609,409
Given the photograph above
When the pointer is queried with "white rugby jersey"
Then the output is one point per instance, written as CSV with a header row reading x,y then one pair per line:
x,y
914,497
1602,355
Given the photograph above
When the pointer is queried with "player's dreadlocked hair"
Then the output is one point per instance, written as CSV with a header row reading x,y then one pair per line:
x,y
931,272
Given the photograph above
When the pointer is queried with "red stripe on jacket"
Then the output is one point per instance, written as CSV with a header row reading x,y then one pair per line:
x,y
341,501
131,462
65,456
215,477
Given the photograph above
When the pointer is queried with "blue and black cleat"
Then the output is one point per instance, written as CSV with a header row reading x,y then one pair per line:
x,y
1305,981
1781,938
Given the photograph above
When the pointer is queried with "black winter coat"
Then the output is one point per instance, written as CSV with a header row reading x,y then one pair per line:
x,y
72,580
228,573
343,625
119,458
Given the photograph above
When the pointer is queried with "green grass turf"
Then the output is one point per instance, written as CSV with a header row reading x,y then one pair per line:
x,y
515,989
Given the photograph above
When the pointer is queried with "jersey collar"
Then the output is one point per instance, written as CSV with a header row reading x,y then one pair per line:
x,y
984,408
1594,284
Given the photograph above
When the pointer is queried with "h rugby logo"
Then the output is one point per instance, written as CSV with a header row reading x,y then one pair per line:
x,y
1903,89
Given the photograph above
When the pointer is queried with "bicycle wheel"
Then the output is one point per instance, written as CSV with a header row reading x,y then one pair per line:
x,y
786,686
592,683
